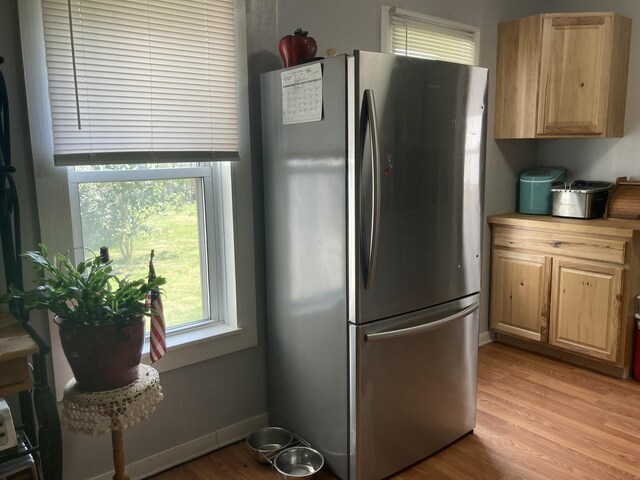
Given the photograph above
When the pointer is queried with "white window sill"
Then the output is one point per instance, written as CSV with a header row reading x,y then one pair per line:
x,y
199,344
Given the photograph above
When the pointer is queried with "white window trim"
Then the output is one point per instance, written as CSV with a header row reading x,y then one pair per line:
x,y
215,217
54,210
385,33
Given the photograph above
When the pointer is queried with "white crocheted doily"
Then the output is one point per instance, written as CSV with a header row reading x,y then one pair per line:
x,y
95,413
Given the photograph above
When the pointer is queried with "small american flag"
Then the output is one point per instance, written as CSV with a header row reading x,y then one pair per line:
x,y
158,346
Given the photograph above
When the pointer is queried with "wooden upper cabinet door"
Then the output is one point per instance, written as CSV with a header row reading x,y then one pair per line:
x,y
586,308
574,75
562,75
517,77
583,75
520,285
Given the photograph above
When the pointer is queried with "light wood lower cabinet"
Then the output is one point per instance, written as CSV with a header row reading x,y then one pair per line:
x,y
520,293
586,307
566,287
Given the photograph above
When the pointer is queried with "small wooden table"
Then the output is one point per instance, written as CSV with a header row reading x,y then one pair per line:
x,y
15,348
95,413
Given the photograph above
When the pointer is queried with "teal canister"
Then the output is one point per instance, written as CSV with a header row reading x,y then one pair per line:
x,y
535,189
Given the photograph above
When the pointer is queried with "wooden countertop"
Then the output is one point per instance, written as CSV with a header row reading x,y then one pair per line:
x,y
614,227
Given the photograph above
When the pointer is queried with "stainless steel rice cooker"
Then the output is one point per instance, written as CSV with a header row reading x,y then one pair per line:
x,y
580,199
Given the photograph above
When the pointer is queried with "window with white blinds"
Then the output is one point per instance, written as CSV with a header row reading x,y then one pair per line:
x,y
142,80
417,35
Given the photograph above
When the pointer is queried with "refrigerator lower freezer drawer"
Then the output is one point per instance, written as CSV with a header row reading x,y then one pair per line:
x,y
413,386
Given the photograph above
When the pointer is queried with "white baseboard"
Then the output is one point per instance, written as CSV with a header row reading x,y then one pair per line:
x,y
195,448
485,337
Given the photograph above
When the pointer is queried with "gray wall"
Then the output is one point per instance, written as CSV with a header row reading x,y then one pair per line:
x,y
211,395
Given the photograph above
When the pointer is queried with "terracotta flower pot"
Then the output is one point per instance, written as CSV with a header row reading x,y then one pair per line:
x,y
103,357
296,48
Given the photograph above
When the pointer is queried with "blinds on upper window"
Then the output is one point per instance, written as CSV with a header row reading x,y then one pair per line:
x,y
142,80
427,38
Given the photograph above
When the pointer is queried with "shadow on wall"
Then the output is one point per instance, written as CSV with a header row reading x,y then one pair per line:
x,y
263,61
258,63
590,159
503,175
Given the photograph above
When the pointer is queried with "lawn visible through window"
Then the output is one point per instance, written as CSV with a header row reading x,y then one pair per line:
x,y
134,217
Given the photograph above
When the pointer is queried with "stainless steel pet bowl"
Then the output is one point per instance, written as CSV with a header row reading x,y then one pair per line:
x,y
298,462
267,441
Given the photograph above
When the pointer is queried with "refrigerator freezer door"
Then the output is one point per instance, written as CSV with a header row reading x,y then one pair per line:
x,y
413,386
419,173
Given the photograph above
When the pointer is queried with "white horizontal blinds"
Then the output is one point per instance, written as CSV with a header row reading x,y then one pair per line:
x,y
416,37
156,80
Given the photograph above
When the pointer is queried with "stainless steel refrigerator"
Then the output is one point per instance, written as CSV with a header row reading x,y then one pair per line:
x,y
373,178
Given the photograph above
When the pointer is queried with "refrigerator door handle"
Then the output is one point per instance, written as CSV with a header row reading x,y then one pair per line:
x,y
370,119
377,337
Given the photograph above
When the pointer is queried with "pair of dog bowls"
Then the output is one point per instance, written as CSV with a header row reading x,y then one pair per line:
x,y
277,446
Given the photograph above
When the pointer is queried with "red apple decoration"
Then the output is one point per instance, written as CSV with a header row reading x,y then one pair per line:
x,y
297,47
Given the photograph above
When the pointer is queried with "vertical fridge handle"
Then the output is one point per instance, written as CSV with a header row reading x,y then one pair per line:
x,y
370,119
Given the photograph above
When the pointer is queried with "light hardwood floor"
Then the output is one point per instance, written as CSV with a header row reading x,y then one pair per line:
x,y
538,419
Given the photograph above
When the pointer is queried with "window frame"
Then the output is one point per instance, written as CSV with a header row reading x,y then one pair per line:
x,y
55,206
385,27
211,212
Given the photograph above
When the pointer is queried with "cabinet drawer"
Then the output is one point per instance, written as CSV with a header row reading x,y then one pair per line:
x,y
553,243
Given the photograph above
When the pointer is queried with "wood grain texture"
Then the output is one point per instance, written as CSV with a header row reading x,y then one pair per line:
x,y
552,242
517,73
562,76
520,293
16,346
15,342
613,227
595,277
579,20
619,75
117,447
586,301
538,419
574,75
624,201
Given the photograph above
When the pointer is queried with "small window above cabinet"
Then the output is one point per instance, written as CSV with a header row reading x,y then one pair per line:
x,y
562,76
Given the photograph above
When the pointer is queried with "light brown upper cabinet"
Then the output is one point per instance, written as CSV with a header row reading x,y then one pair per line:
x,y
562,75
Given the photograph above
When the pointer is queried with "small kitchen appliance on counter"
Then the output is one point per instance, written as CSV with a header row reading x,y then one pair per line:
x,y
580,199
535,189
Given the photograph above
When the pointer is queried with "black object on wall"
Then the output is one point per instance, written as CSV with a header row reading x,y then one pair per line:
x,y
49,437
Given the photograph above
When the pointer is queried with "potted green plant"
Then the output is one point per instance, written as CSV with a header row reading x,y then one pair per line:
x,y
100,316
